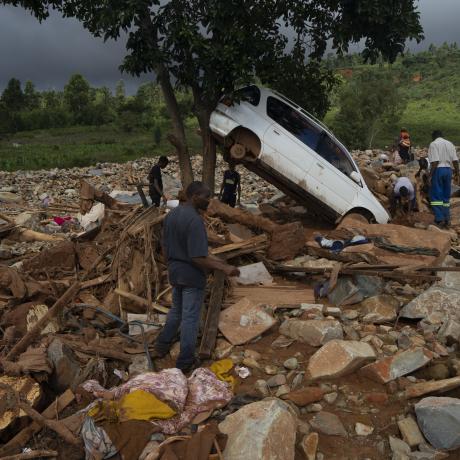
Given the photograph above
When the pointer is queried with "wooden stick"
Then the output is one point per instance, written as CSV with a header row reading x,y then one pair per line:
x,y
254,241
32,454
54,311
23,437
208,340
98,350
54,425
140,300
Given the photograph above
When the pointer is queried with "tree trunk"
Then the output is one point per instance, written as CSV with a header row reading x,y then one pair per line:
x,y
209,149
178,138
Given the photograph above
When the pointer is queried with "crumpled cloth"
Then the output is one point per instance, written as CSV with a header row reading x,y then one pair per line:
x,y
201,392
338,245
222,370
137,405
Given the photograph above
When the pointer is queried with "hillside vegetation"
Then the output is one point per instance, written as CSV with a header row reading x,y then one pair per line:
x,y
81,125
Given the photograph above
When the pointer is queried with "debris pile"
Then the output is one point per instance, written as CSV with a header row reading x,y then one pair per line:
x,y
316,351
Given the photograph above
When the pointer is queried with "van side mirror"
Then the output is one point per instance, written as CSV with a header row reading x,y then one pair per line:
x,y
355,177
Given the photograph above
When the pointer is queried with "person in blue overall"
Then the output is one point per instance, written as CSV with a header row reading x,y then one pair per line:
x,y
442,156
231,187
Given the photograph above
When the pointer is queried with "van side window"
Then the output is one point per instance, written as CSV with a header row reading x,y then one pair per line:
x,y
249,94
334,154
293,121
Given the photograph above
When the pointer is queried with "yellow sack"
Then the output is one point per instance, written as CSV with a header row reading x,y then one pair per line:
x,y
137,405
222,370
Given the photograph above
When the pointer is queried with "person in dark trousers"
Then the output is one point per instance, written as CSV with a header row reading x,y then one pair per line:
x,y
156,182
442,156
230,191
185,247
404,146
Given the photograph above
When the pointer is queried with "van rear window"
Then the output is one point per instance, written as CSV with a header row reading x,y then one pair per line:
x,y
249,94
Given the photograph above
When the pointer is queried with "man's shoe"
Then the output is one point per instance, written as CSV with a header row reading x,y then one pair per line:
x,y
156,354
190,367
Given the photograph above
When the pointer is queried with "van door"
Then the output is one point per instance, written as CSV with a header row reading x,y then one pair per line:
x,y
283,148
332,168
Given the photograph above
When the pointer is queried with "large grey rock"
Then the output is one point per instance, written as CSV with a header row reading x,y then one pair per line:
x,y
339,357
9,198
439,420
434,305
314,332
392,367
264,430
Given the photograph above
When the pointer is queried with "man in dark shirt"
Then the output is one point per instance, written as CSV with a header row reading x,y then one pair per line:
x,y
230,186
185,246
156,182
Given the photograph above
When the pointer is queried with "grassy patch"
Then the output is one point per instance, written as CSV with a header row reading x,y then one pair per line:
x,y
83,146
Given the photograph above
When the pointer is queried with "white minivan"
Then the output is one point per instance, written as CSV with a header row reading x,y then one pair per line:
x,y
282,143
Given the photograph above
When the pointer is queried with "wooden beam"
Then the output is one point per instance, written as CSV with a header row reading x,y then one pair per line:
x,y
17,443
208,340
141,300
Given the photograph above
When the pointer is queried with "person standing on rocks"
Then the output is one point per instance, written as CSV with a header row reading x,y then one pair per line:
x,y
404,146
185,247
156,182
442,157
230,191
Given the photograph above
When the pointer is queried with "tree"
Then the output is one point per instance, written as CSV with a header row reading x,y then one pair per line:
x,y
120,94
77,97
12,96
212,46
369,103
31,96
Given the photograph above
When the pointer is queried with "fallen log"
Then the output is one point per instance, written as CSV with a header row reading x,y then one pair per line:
x,y
32,454
24,436
141,300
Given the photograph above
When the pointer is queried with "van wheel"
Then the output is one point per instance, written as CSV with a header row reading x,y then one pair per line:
x,y
240,152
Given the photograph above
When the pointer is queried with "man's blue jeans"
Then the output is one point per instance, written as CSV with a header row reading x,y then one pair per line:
x,y
184,314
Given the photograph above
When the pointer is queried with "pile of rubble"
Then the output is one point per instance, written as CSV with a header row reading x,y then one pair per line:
x,y
345,350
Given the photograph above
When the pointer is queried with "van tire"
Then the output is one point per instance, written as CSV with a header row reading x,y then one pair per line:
x,y
238,152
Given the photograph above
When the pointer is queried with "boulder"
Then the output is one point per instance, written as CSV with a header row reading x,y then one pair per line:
x,y
309,445
9,198
390,368
380,309
328,423
264,430
439,420
434,305
305,396
338,358
314,332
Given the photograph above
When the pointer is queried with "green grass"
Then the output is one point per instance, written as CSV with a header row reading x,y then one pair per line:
x,y
84,146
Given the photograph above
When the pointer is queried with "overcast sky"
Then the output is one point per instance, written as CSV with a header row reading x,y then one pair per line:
x,y
50,52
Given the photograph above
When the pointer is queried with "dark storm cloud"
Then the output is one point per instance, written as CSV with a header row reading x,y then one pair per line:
x,y
50,52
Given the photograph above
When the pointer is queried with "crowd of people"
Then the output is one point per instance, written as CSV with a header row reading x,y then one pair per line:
x,y
435,175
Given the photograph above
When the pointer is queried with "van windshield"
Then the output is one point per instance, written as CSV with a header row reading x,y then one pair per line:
x,y
293,121
249,94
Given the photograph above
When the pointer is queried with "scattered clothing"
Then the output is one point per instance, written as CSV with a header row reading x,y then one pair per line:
x,y
222,371
201,392
384,244
155,175
337,246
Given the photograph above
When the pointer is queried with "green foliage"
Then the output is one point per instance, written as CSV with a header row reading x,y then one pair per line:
x,y
12,96
77,97
370,103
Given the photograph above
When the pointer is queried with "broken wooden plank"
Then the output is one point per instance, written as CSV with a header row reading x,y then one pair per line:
x,y
98,350
24,436
141,300
274,295
208,340
247,244
54,311
32,454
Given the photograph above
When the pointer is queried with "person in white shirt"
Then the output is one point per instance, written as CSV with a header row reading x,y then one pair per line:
x,y
442,157
403,195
